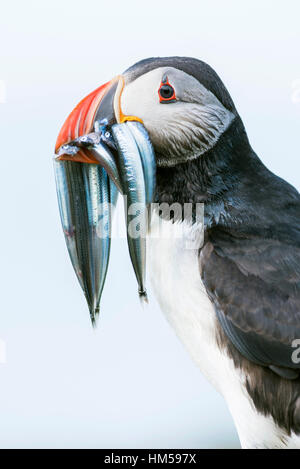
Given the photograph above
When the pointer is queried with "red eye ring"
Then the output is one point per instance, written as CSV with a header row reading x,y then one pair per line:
x,y
166,92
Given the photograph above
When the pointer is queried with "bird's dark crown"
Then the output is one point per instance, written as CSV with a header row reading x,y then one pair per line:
x,y
194,67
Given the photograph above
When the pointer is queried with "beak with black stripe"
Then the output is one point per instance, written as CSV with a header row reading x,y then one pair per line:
x,y
100,152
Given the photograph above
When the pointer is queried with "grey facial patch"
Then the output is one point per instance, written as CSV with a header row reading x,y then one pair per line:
x,y
198,120
191,134
182,130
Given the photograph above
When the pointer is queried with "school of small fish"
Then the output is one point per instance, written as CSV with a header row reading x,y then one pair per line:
x,y
87,194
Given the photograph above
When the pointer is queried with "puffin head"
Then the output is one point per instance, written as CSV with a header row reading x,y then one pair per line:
x,y
181,102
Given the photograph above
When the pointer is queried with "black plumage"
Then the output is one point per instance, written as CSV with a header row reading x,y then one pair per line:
x,y
250,264
250,261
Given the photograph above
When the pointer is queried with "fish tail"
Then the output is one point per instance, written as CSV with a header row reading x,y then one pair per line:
x,y
143,297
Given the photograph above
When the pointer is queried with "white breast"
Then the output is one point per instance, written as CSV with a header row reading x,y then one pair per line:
x,y
175,277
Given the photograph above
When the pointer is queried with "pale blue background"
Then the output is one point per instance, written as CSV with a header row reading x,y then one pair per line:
x,y
130,383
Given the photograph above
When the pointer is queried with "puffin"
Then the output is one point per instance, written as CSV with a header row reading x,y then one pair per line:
x,y
226,274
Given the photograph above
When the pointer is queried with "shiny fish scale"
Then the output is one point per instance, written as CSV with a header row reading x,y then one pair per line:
x,y
65,209
133,185
147,156
84,193
97,197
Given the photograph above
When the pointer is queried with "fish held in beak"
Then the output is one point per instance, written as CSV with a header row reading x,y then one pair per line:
x,y
85,194
92,146
97,157
147,156
133,185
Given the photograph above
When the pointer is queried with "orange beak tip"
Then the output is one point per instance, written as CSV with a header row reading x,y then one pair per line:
x,y
83,126
81,120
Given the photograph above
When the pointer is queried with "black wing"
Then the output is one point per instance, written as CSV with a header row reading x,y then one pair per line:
x,y
253,279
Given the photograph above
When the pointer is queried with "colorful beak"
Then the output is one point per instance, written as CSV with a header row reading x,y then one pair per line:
x,y
98,153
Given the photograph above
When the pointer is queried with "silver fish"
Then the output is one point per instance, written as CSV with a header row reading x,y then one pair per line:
x,y
133,186
93,143
88,192
105,158
114,194
84,194
147,155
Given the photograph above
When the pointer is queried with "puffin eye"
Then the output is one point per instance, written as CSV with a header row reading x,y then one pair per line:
x,y
166,92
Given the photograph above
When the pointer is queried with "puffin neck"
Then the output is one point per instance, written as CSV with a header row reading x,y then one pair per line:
x,y
210,177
